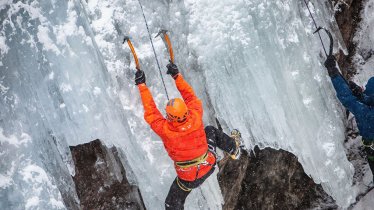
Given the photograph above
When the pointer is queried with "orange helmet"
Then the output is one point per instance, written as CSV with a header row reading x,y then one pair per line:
x,y
176,110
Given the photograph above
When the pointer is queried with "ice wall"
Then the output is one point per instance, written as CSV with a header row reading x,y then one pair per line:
x,y
66,78
55,90
34,156
265,77
257,66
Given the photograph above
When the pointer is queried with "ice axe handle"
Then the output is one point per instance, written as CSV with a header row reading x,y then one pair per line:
x,y
171,53
168,43
132,51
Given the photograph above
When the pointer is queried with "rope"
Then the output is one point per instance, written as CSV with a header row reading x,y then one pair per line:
x,y
154,51
315,25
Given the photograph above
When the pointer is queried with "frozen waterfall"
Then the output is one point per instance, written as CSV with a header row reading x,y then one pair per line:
x,y
66,79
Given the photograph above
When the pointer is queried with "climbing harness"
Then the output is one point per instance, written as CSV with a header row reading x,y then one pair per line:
x,y
168,43
154,51
132,51
195,162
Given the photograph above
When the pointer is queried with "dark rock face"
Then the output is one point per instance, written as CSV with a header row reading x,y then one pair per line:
x,y
230,176
270,179
348,17
100,179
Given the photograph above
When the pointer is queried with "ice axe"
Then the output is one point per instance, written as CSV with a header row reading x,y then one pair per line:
x,y
168,43
331,45
127,38
328,33
331,39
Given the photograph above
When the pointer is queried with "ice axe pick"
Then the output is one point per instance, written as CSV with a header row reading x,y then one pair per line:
x,y
330,37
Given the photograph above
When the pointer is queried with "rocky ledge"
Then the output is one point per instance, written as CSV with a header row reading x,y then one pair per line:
x,y
100,179
270,179
266,179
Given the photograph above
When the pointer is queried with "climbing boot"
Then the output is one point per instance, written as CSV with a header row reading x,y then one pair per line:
x,y
237,137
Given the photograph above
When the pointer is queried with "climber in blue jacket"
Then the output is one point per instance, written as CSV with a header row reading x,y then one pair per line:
x,y
359,103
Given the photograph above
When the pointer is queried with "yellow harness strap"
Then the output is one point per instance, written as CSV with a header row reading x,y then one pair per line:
x,y
194,162
184,188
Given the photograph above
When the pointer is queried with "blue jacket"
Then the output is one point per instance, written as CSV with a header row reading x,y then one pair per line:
x,y
363,109
368,96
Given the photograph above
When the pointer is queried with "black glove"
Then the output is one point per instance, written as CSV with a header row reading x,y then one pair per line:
x,y
330,64
172,70
356,90
139,77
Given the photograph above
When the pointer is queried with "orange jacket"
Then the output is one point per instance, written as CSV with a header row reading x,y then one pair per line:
x,y
185,141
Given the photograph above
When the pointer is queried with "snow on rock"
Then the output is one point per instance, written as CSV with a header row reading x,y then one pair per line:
x,y
364,37
365,203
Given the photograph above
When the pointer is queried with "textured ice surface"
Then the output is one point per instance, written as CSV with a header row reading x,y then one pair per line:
x,y
366,203
24,183
364,38
264,77
65,79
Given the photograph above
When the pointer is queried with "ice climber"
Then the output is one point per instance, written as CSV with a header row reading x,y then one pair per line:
x,y
359,103
191,146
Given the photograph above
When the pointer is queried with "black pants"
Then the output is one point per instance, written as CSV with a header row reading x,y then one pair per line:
x,y
370,157
177,196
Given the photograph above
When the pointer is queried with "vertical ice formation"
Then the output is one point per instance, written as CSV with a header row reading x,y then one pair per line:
x,y
54,91
24,181
66,79
264,77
